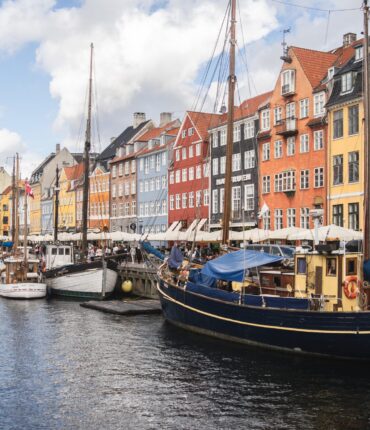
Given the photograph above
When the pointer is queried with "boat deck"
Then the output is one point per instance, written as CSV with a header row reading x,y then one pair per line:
x,y
126,307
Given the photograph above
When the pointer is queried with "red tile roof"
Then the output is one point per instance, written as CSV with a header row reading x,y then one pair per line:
x,y
7,190
157,131
204,121
74,172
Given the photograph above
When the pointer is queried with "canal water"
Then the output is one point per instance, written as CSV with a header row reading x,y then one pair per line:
x,y
65,367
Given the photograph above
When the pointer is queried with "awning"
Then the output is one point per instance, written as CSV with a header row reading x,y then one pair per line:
x,y
232,267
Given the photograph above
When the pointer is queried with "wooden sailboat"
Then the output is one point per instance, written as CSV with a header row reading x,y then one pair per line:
x,y
81,279
325,311
20,277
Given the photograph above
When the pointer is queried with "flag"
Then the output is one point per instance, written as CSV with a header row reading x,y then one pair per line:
x,y
263,211
29,191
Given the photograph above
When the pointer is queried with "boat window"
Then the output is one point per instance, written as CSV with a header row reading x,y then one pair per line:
x,y
61,251
53,251
287,251
331,267
67,251
301,266
277,281
275,250
266,249
351,266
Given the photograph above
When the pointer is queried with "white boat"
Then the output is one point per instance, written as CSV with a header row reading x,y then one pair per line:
x,y
20,279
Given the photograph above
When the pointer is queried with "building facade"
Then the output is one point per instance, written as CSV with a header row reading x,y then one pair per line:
x,y
5,211
98,200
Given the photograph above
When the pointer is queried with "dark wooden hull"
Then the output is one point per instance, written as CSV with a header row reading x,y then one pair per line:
x,y
333,334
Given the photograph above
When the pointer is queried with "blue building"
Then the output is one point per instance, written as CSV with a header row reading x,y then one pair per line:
x,y
152,183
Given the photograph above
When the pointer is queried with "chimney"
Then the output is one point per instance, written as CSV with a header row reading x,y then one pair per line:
x,y
348,39
112,139
139,117
165,118
57,148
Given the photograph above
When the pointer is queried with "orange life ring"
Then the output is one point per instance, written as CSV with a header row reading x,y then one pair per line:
x,y
351,286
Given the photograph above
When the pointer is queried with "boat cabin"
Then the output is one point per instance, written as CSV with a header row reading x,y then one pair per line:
x,y
58,255
16,270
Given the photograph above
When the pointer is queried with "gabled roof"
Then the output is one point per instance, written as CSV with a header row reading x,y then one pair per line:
x,y
157,131
250,106
40,168
110,151
203,121
7,190
74,172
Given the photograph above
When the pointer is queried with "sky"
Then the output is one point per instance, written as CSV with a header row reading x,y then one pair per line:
x,y
149,56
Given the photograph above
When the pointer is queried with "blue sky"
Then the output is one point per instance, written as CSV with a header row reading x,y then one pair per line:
x,y
42,73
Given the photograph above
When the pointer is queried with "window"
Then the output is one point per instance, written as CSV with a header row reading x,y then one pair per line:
x,y
265,184
184,175
235,199
249,159
183,133
249,197
214,167
347,83
236,162
353,166
301,266
114,209
265,114
183,153
266,220
164,207
319,177
291,217
338,124
141,164
222,200
120,190
278,115
198,198
303,108
206,197
351,266
158,162
146,164
236,133
198,172
157,183
152,161
127,208
172,178
133,166
266,151
353,119
127,167
164,158
191,199
172,201
278,149
359,52
223,137
146,186
114,191
127,188
215,140
338,215
287,82
304,217
177,154
164,182
177,174
152,184
191,151
290,146
318,140
248,129
190,131
222,165
318,104
353,216
191,173
278,219
114,171
120,169
285,181
215,201
198,149
184,200
178,201
337,169
305,179
304,143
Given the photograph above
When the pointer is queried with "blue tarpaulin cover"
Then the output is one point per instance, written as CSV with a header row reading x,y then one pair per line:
x,y
232,267
151,250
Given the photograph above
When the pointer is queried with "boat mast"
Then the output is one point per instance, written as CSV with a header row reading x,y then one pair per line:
x,y
13,201
230,121
85,199
25,232
16,239
56,214
366,133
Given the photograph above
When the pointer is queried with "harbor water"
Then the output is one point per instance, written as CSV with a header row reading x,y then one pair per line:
x,y
66,367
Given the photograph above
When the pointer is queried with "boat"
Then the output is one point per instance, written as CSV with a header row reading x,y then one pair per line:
x,y
20,277
320,308
63,275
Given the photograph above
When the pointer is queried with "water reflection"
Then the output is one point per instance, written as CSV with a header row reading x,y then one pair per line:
x,y
62,366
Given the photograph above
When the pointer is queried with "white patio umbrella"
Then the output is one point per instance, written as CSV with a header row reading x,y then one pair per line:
x,y
286,233
329,232
255,235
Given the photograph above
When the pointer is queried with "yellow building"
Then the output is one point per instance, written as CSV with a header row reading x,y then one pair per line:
x,y
5,203
35,209
67,197
345,180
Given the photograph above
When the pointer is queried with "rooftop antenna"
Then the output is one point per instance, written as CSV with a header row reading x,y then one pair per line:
x,y
285,57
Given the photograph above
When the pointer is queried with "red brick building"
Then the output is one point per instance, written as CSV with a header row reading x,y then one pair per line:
x,y
188,174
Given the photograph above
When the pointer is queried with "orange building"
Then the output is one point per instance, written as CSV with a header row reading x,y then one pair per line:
x,y
99,199
292,138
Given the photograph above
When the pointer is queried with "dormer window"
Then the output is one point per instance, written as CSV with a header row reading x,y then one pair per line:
x,y
359,53
287,82
163,140
331,72
347,82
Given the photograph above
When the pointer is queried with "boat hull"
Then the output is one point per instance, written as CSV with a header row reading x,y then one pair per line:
x,y
23,290
85,284
334,334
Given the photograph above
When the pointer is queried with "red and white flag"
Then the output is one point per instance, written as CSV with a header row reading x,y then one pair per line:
x,y
29,191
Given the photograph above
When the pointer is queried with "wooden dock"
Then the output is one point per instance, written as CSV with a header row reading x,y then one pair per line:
x,y
143,279
126,307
